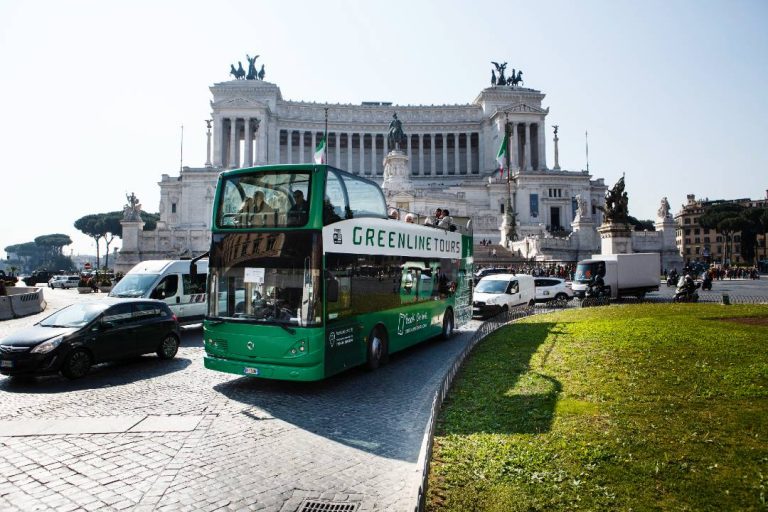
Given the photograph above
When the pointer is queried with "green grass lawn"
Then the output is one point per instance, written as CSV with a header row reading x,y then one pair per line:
x,y
636,407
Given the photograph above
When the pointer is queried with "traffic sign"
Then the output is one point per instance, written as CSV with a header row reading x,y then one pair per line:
x,y
87,266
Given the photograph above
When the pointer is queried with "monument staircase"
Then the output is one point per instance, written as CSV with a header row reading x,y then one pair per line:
x,y
483,255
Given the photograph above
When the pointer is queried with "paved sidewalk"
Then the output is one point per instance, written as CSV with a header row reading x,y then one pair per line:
x,y
170,435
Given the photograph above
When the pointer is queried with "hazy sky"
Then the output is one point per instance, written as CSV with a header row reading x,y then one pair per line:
x,y
673,93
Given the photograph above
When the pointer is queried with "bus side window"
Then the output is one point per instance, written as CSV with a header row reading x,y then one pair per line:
x,y
332,288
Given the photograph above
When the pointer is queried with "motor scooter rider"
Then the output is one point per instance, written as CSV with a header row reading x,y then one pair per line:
x,y
596,285
686,286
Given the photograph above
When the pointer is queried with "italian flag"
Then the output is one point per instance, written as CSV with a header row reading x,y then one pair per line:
x,y
501,155
320,151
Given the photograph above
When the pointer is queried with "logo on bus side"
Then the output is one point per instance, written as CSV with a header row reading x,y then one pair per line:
x,y
337,236
411,322
341,337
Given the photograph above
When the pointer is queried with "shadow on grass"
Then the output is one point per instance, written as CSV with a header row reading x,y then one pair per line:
x,y
497,391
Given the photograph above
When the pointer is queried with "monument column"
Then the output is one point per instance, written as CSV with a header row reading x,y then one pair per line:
x,y
444,142
527,146
373,154
456,165
289,147
233,164
420,141
337,149
514,160
432,152
410,155
301,147
361,136
349,151
468,147
542,149
248,144
218,141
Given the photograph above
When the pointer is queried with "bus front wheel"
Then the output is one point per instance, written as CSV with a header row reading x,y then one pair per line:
x,y
377,348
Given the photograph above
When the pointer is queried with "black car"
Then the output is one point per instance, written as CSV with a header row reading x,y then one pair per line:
x,y
78,336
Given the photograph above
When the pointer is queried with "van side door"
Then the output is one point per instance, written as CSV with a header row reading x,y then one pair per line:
x,y
193,296
513,290
168,290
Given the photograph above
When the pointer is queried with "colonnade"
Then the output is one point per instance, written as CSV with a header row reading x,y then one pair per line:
x,y
430,154
240,142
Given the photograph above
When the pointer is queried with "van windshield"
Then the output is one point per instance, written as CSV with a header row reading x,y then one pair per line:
x,y
133,285
491,286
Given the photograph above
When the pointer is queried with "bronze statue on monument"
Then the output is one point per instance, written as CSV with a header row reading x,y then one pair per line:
x,y
396,136
616,207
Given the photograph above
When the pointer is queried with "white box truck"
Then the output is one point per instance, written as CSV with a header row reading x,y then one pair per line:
x,y
623,274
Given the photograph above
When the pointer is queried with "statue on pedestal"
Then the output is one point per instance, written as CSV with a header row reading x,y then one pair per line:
x,y
616,204
663,211
396,135
132,211
581,208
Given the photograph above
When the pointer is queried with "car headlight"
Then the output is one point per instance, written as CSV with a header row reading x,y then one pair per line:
x,y
47,346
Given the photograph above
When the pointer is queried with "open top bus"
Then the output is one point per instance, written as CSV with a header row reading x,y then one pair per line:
x,y
308,276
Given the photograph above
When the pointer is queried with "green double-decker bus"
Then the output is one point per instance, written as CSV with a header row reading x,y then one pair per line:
x,y
308,276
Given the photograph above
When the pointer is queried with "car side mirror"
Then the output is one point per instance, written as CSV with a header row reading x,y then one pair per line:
x,y
105,325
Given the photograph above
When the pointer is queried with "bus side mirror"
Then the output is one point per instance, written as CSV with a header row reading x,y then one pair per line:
x,y
332,290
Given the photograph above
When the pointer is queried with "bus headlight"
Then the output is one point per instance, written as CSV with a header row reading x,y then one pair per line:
x,y
299,348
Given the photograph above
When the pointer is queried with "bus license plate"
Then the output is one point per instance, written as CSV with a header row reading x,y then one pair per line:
x,y
6,364
251,371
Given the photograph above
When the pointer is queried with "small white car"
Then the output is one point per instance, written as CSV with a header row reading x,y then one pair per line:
x,y
552,288
64,282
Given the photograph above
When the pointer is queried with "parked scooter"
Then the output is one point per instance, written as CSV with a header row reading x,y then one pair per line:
x,y
686,290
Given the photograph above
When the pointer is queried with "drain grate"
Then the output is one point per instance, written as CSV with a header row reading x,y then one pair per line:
x,y
326,506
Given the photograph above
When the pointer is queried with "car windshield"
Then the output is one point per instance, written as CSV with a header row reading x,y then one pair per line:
x,y
491,286
133,285
76,315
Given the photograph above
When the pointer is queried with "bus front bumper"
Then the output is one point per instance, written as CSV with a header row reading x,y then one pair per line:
x,y
265,371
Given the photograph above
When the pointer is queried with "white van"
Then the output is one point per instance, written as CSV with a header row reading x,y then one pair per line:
x,y
169,281
497,293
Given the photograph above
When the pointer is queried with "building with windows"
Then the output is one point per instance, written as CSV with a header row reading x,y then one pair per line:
x,y
697,244
451,157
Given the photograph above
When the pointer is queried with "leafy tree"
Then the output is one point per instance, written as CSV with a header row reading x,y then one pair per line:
x,y
725,218
51,245
641,225
107,226
91,226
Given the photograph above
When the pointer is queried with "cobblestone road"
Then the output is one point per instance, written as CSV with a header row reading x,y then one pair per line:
x,y
253,445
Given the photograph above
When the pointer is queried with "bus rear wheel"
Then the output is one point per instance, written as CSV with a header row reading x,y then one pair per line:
x,y
448,324
377,348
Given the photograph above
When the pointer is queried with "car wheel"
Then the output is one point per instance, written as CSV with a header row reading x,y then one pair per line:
x,y
561,296
448,326
168,347
377,348
77,364
531,303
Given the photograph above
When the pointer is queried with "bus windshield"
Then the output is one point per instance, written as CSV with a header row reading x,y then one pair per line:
x,y
268,277
264,199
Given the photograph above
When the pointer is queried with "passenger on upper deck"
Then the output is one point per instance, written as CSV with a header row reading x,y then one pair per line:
x,y
255,204
446,221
